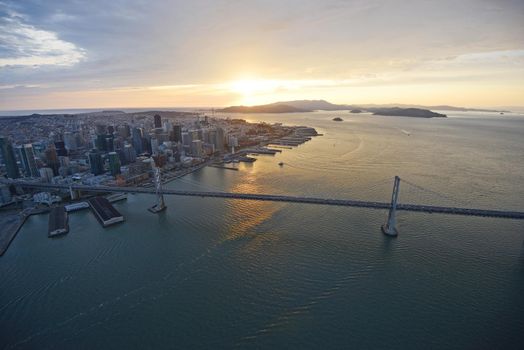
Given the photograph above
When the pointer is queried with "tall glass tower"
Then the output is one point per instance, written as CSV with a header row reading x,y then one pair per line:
x,y
114,163
8,155
27,156
96,163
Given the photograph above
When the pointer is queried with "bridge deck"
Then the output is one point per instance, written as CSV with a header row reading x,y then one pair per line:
x,y
283,198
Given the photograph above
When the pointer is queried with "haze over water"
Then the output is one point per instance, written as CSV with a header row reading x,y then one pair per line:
x,y
214,273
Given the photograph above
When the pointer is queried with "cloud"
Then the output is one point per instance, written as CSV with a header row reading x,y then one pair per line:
x,y
197,48
23,44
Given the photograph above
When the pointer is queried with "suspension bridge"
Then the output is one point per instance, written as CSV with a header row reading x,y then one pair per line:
x,y
389,227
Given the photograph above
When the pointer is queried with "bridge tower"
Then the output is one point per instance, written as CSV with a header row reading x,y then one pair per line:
x,y
390,226
159,161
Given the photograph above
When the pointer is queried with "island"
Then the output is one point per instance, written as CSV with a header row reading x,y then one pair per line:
x,y
406,112
338,119
355,111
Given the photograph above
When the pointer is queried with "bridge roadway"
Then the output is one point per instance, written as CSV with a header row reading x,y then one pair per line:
x,y
281,198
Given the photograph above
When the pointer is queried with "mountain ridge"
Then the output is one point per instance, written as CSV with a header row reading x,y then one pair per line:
x,y
296,106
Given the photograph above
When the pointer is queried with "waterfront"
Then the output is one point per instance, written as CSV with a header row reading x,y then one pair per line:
x,y
224,273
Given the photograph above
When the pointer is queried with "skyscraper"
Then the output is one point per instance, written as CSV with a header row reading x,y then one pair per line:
x,y
95,162
124,131
70,141
110,143
196,148
129,153
219,140
154,145
114,163
60,148
158,121
168,126
100,142
137,140
51,158
8,156
147,143
28,160
177,133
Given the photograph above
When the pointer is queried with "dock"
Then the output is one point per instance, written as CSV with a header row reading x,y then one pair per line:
x,y
261,150
58,222
10,228
279,146
104,211
287,143
223,167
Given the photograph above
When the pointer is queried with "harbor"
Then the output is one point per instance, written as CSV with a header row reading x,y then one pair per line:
x,y
107,215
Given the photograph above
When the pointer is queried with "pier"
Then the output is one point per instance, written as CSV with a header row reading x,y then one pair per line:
x,y
223,167
11,227
104,211
58,222
279,146
261,151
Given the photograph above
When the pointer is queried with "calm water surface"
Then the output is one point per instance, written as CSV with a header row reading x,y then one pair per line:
x,y
215,273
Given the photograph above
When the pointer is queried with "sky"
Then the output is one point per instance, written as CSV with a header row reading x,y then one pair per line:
x,y
167,53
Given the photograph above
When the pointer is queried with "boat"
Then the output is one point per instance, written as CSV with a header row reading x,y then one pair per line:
x,y
281,163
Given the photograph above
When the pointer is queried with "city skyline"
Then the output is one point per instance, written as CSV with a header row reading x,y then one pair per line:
x,y
170,53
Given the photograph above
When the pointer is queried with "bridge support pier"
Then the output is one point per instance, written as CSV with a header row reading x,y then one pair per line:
x,y
389,228
160,205
75,194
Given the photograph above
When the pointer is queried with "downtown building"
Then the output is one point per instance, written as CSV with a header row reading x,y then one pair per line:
x,y
8,157
27,156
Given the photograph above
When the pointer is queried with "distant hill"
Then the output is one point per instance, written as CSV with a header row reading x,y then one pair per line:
x,y
406,112
288,107
322,105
